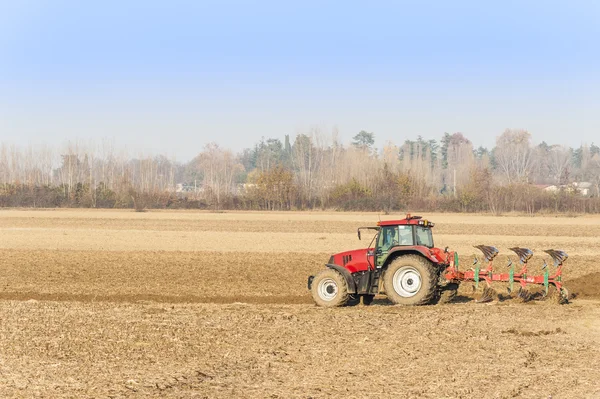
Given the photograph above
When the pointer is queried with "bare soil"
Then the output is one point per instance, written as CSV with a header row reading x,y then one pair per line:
x,y
187,304
585,286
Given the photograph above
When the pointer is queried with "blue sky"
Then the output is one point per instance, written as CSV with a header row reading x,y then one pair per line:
x,y
170,76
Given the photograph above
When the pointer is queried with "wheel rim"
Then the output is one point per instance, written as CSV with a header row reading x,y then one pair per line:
x,y
407,281
327,289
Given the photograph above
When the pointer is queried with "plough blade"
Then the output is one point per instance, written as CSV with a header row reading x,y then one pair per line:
x,y
488,295
524,254
524,295
488,251
557,256
563,296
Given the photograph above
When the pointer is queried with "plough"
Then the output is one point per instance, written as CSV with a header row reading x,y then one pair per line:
x,y
403,263
521,278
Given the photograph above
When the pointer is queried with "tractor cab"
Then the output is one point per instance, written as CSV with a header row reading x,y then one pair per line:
x,y
403,232
394,235
392,238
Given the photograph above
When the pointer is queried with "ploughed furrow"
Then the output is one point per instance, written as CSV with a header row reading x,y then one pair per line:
x,y
143,298
149,350
585,286
161,276
238,242
194,277
195,223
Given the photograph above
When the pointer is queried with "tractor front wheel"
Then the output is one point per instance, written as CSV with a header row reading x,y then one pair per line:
x,y
410,280
329,289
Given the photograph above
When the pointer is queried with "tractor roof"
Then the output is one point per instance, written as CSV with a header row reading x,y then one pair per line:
x,y
412,220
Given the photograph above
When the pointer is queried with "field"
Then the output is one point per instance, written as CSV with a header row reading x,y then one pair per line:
x,y
203,305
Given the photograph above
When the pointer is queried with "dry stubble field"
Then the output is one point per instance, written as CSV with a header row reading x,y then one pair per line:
x,y
188,304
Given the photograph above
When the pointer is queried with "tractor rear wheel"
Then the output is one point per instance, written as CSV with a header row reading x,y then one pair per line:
x,y
410,280
329,289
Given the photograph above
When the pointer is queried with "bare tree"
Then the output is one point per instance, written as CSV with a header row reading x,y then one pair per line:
x,y
329,151
460,160
513,155
594,172
390,156
558,162
306,159
220,168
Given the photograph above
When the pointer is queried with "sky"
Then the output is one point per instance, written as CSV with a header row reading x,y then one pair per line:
x,y
170,76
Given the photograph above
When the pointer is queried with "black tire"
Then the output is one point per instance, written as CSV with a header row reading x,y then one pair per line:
x,y
353,300
368,299
410,280
329,289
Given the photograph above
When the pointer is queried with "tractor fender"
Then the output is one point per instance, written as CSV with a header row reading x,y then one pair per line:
x,y
416,250
344,272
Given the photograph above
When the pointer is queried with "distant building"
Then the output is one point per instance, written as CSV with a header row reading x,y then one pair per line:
x,y
545,187
552,188
582,188
188,188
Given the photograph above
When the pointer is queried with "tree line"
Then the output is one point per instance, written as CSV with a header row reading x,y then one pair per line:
x,y
315,170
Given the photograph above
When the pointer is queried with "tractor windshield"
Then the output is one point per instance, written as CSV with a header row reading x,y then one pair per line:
x,y
391,236
424,236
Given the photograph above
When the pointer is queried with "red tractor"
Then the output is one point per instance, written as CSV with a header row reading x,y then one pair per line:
x,y
403,262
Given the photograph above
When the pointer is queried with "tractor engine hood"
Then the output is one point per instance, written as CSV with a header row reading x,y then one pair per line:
x,y
355,260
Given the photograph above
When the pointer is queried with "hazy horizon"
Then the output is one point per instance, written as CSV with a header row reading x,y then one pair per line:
x,y
171,77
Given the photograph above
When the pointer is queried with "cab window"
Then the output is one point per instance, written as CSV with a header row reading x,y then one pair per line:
x,y
405,234
424,236
390,236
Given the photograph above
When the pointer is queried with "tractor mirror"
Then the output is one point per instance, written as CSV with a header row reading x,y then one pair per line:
x,y
358,234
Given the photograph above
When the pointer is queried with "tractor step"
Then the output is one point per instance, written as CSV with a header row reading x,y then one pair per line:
x,y
375,279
